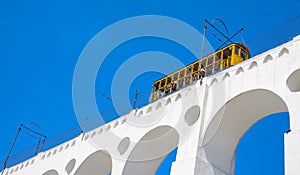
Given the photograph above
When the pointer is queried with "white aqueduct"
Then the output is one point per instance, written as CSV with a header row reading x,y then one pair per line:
x,y
205,123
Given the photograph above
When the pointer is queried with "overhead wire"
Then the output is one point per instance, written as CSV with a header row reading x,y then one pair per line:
x,y
186,58
143,90
111,108
251,24
248,25
271,13
277,26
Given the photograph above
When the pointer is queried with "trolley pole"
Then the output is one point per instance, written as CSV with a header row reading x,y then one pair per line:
x,y
203,39
84,125
38,148
11,148
135,99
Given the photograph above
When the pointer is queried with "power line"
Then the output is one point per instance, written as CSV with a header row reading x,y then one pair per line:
x,y
122,101
277,26
38,148
271,13
248,25
250,40
105,96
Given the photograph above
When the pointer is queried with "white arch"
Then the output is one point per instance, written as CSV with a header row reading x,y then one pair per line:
x,y
51,172
252,65
227,75
70,166
151,150
178,97
293,81
158,105
168,101
123,145
140,114
149,109
98,163
221,153
283,51
239,70
213,81
267,58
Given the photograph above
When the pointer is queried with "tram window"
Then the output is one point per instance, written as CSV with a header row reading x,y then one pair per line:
x,y
163,82
188,80
182,74
216,67
189,70
175,77
209,70
218,56
210,60
204,62
236,50
243,54
156,85
169,79
181,83
226,53
196,67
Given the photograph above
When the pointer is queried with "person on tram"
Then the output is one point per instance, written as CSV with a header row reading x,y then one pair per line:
x,y
168,88
202,73
174,85
196,76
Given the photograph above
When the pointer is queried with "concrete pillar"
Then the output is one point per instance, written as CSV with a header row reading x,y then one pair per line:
x,y
292,138
292,152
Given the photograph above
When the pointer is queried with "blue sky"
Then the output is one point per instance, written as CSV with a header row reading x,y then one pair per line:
x,y
40,43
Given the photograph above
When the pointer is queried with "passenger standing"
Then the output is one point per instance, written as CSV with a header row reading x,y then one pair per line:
x,y
168,88
195,76
174,85
202,73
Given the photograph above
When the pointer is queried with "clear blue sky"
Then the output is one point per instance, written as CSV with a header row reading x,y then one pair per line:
x,y
40,42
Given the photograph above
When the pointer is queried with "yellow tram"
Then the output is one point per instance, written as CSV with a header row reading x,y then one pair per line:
x,y
213,63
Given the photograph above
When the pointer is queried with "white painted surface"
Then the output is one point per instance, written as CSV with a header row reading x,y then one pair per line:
x,y
229,103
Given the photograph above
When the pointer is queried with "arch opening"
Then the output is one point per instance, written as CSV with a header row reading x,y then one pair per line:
x,y
267,58
98,163
192,115
239,70
123,145
168,101
151,150
253,65
166,165
158,105
51,172
227,75
263,146
178,97
283,52
149,109
293,81
228,126
213,82
70,166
